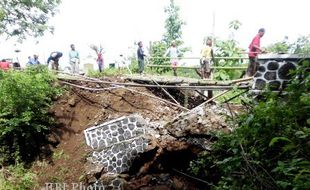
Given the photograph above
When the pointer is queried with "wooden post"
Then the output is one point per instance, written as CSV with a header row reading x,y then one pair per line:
x,y
185,96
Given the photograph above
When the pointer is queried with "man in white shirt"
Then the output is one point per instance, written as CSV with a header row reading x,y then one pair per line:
x,y
74,58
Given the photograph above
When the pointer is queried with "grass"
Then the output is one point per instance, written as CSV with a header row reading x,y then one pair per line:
x,y
17,177
60,154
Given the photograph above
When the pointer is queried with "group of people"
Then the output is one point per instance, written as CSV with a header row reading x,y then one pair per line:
x,y
74,59
206,56
173,53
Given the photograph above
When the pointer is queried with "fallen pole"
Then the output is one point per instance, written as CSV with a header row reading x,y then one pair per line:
x,y
192,110
167,93
213,98
88,88
155,97
236,96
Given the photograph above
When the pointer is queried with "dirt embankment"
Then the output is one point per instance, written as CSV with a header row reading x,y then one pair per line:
x,y
162,166
79,109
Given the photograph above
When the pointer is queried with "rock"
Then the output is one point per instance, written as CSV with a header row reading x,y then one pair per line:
x,y
178,184
274,85
260,84
272,65
72,102
261,69
201,121
257,74
270,76
93,171
284,71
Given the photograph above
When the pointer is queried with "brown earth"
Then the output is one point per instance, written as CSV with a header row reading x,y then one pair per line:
x,y
79,109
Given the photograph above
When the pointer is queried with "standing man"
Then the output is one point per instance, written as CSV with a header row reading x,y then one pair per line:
x,y
141,55
54,60
173,52
74,59
207,58
254,50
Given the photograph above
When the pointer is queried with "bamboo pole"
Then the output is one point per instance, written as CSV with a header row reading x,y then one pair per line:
x,y
167,93
213,98
211,87
88,88
198,58
201,94
188,67
190,111
103,89
241,80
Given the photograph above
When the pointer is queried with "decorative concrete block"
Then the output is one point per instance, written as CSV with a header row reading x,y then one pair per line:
x,y
116,143
274,71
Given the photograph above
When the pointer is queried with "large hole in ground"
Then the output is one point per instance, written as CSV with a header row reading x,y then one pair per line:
x,y
166,161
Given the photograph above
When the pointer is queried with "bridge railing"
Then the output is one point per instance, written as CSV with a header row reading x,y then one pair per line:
x,y
241,60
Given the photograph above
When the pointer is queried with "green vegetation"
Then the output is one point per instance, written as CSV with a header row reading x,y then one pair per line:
x,y
301,46
16,177
173,26
24,120
59,155
26,17
270,148
229,48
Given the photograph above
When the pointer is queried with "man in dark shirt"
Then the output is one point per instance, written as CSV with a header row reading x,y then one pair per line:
x,y
141,56
54,59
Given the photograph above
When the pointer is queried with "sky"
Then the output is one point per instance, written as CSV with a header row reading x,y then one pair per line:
x,y
118,24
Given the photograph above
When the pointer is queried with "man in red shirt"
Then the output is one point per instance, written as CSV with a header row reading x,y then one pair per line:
x,y
254,50
4,65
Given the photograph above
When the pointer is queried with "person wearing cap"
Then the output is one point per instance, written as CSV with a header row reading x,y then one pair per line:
x,y
173,52
74,58
254,50
53,59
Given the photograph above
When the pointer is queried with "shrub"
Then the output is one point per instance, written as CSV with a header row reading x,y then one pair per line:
x,y
16,177
270,149
24,120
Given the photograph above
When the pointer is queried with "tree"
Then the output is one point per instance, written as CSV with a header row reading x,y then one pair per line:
x,y
173,25
301,46
21,18
234,25
279,47
228,48
270,147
